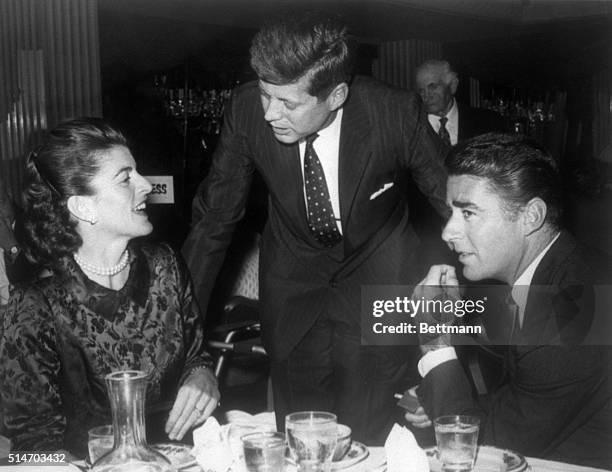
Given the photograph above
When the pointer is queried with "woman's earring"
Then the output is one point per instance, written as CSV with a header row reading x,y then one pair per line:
x,y
93,221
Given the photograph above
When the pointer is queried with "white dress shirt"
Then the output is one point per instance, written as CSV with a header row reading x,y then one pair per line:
x,y
452,125
327,147
434,358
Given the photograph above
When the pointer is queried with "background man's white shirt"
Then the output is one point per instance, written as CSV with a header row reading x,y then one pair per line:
x,y
452,125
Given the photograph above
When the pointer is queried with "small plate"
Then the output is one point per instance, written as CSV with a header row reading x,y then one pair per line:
x,y
487,458
357,453
178,454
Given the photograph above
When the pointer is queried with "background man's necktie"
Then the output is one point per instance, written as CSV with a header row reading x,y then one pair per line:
x,y
443,132
321,219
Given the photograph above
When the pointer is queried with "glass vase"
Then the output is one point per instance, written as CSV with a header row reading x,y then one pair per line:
x,y
126,391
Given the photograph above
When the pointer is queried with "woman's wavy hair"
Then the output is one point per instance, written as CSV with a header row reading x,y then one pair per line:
x,y
61,167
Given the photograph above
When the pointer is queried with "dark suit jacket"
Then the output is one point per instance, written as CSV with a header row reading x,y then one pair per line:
x,y
382,139
475,121
554,400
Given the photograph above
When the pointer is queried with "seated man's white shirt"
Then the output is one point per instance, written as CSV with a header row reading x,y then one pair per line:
x,y
452,125
327,147
433,359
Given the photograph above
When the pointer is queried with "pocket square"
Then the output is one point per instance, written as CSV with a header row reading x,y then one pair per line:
x,y
382,189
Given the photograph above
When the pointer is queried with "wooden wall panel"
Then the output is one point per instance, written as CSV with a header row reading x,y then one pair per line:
x,y
397,60
49,71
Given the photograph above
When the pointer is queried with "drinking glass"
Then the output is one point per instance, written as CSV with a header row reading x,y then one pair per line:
x,y
457,438
312,437
100,442
264,451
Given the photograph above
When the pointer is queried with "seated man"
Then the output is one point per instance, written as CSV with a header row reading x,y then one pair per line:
x,y
554,400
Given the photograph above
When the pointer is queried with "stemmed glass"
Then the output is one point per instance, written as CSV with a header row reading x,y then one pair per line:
x,y
312,437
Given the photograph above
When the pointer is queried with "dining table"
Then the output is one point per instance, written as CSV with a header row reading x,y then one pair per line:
x,y
367,459
376,462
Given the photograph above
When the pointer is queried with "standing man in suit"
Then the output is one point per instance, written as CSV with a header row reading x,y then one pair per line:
x,y
334,151
555,400
437,84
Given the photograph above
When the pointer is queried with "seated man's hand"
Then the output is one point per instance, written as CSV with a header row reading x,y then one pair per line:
x,y
196,400
418,418
440,286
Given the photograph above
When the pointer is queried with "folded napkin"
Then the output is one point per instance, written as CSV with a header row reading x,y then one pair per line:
x,y
219,448
239,419
211,447
403,452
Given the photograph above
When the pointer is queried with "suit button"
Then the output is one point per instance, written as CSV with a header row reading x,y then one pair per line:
x,y
333,284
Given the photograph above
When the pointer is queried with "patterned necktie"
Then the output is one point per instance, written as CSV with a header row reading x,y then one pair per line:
x,y
443,132
321,220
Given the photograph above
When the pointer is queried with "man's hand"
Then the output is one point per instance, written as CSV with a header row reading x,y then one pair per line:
x,y
196,400
439,276
440,284
418,418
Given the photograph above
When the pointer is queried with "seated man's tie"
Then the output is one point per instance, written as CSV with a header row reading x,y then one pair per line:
x,y
443,132
321,220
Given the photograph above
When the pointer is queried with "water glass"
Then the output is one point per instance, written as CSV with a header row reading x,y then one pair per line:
x,y
100,441
264,451
312,437
457,440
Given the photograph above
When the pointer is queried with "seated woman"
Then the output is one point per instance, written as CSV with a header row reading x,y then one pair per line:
x,y
109,305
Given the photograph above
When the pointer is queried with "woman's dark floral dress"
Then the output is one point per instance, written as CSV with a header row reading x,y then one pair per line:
x,y
61,336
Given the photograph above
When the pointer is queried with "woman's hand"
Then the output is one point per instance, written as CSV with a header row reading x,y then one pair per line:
x,y
196,400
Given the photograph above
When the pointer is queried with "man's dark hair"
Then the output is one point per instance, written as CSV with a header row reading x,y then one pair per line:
x,y
518,169
311,44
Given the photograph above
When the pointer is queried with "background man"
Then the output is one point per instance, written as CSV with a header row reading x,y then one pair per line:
x,y
451,121
334,153
555,398
437,83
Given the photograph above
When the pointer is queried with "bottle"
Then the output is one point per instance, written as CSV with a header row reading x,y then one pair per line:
x,y
126,391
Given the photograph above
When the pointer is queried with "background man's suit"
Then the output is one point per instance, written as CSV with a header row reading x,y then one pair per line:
x,y
554,401
383,137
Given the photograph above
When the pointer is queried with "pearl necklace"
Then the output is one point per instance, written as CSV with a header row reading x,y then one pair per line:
x,y
104,271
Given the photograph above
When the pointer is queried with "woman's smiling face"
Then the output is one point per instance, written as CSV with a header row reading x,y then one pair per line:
x,y
120,195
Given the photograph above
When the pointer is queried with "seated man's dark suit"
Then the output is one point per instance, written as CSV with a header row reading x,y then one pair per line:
x,y
554,400
309,293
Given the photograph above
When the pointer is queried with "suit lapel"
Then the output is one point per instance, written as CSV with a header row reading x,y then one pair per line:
x,y
538,319
354,153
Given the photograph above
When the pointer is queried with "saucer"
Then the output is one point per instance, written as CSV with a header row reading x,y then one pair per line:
x,y
487,458
178,454
357,453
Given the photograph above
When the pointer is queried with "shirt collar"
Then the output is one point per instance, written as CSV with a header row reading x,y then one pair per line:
x,y
450,115
521,284
333,129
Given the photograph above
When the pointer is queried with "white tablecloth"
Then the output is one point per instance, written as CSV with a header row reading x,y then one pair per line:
x,y
374,463
377,457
